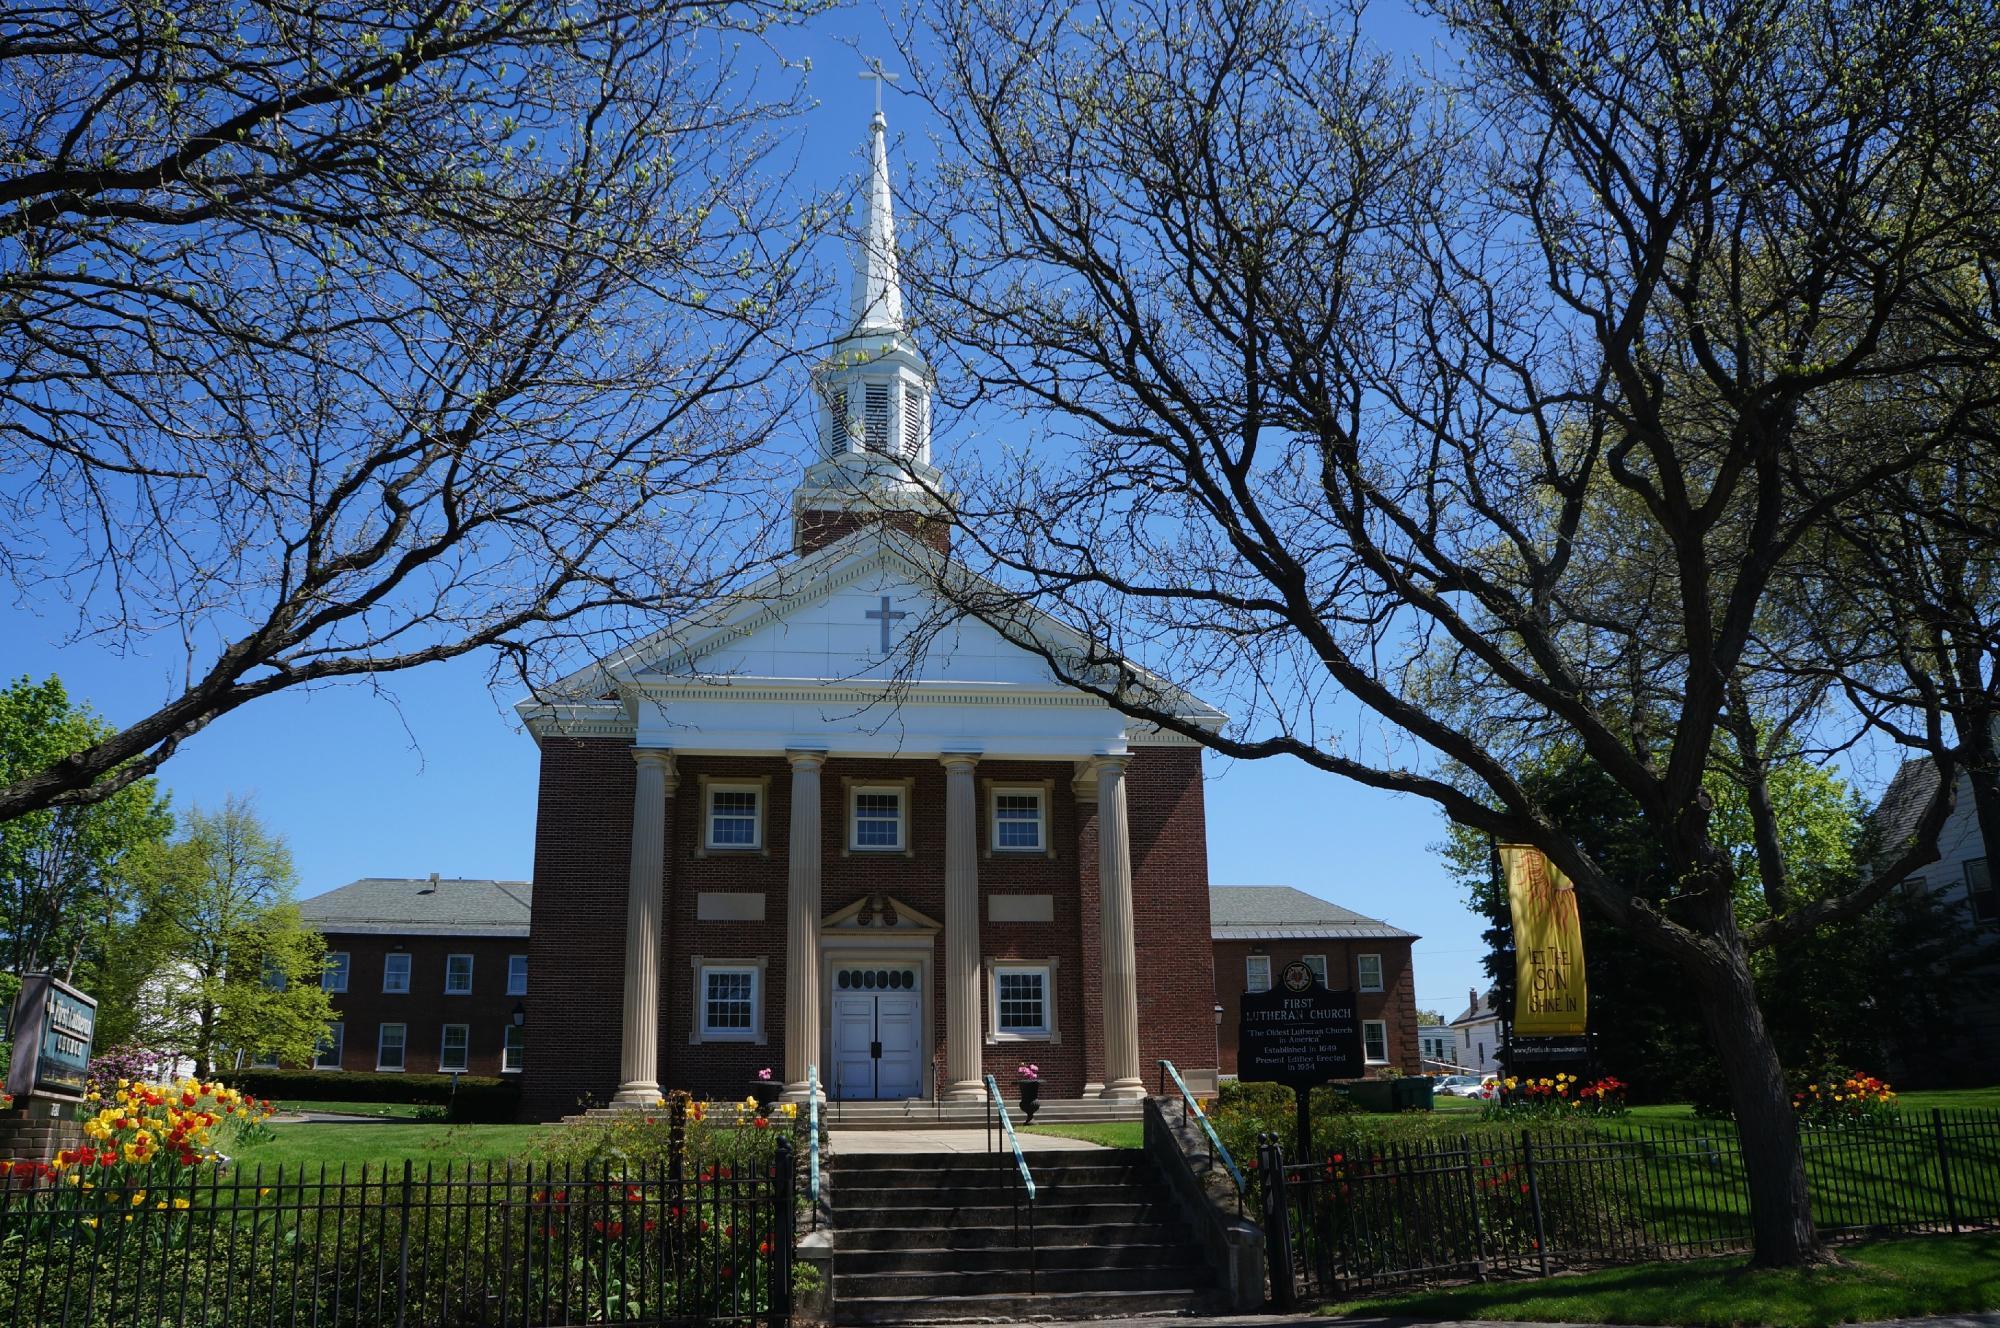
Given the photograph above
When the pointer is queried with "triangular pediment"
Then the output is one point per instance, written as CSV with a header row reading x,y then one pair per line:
x,y
881,915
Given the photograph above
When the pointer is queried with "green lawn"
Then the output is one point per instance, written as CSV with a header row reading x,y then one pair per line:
x,y
1890,1279
1111,1134
302,1143
401,1110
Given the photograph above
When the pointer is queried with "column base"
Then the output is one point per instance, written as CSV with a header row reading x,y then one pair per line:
x,y
801,1091
638,1095
1095,1088
966,1090
1123,1090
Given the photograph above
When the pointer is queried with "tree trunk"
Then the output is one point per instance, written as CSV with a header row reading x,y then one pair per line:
x,y
1982,763
1781,1222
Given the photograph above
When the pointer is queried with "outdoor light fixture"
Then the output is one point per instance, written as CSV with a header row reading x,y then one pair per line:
x,y
520,1015
1218,1014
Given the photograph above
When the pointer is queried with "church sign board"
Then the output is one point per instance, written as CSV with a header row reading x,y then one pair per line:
x,y
54,1024
1298,1033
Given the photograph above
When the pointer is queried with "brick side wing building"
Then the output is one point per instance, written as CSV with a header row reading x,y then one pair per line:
x,y
830,827
1258,929
426,974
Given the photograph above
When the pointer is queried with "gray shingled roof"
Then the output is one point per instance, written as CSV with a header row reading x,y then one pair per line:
x,y
1278,912
1903,803
418,906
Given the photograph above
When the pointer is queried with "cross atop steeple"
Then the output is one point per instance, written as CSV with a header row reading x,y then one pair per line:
x,y
881,76
878,288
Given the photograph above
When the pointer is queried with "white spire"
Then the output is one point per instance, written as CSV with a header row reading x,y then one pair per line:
x,y
878,286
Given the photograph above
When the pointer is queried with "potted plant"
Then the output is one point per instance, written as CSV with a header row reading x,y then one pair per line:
x,y
766,1090
1031,1089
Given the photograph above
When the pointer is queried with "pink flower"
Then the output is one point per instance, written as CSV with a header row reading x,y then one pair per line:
x,y
764,1073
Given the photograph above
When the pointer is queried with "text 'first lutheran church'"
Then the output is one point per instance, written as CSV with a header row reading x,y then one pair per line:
x,y
739,865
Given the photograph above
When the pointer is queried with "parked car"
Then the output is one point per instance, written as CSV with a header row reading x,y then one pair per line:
x,y
1457,1085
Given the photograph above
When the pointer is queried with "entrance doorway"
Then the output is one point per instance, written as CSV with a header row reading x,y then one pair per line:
x,y
877,1030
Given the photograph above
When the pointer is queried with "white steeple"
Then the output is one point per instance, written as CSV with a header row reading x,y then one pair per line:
x,y
874,389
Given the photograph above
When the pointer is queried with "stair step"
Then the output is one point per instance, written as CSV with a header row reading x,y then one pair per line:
x,y
1002,1307
1047,1191
961,1257
1047,1281
1001,1237
998,1215
1128,1159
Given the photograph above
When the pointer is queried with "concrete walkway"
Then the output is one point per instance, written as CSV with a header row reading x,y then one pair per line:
x,y
944,1140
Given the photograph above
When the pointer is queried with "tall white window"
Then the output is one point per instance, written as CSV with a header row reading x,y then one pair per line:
x,y
1021,1001
1017,820
1368,968
1257,973
396,974
458,975
729,1003
517,975
1375,1041
735,816
1317,963
875,418
513,1046
453,1047
327,1057
390,1043
878,817
334,976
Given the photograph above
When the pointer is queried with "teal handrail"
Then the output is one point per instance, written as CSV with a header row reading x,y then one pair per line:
x,y
812,1137
994,1100
1216,1146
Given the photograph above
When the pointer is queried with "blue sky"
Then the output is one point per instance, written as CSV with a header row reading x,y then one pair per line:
x,y
427,772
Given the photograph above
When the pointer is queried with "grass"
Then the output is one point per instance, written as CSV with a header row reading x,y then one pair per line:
x,y
400,1110
303,1143
1888,1279
1111,1134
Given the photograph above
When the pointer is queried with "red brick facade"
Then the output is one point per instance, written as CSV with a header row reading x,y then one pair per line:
x,y
819,528
1395,1005
582,860
487,1011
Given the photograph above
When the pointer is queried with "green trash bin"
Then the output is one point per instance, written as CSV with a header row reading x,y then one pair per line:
x,y
1412,1092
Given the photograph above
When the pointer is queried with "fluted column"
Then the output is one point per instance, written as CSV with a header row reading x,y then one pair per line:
x,y
1120,951
645,911
802,913
964,1040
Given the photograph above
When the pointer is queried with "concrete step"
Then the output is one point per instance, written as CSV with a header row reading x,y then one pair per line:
x,y
1002,1236
974,1192
946,1217
1007,1307
1016,1281
1127,1160
958,1258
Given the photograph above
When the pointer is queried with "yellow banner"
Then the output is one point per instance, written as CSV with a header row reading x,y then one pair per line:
x,y
1551,996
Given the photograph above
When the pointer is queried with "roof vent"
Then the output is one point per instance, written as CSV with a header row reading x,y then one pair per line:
x,y
431,888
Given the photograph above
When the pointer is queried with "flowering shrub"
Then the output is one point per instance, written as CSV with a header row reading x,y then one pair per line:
x,y
732,1135
1850,1098
126,1064
1028,1072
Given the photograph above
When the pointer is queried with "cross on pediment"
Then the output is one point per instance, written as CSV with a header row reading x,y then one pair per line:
x,y
888,618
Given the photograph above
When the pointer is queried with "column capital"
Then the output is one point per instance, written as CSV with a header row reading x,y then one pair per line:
x,y
967,759
1097,765
662,757
805,756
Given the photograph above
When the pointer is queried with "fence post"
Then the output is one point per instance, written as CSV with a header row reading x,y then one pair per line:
x,y
1944,1168
677,1106
403,1252
1477,1205
1535,1200
785,1197
1272,1207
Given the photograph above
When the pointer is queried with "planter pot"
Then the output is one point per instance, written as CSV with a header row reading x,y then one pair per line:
x,y
1031,1098
766,1092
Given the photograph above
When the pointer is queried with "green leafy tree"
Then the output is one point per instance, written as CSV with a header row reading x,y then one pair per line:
x,y
231,965
1429,1018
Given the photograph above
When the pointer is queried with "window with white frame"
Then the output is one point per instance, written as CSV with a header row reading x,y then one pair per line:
x,y
1018,820
396,974
877,817
1375,1041
334,976
454,1047
391,1041
735,816
729,1002
1368,968
1317,963
1022,1001
458,975
265,1060
1979,891
513,1045
517,975
1257,973
327,1057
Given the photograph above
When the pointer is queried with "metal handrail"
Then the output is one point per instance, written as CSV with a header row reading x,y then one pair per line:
x,y
1217,1149
812,1137
995,1102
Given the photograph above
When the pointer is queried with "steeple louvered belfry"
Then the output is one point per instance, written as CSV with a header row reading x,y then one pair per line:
x,y
874,394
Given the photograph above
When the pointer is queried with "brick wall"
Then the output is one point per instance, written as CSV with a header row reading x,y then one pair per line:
x,y
817,529
425,1009
25,1138
582,860
1395,1004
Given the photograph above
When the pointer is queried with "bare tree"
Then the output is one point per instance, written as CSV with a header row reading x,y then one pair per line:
x,y
1427,422
336,339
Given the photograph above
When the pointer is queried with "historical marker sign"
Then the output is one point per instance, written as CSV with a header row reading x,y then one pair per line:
x,y
54,1024
1298,1033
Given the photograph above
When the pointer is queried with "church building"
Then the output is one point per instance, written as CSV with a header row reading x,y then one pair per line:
x,y
785,835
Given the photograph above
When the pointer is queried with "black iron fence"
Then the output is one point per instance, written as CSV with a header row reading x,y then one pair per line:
x,y
1529,1201
409,1245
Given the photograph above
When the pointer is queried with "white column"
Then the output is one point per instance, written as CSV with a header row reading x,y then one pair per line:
x,y
645,910
1121,977
802,927
964,1039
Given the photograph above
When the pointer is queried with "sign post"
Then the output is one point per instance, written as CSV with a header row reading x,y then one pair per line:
x,y
54,1024
1301,1035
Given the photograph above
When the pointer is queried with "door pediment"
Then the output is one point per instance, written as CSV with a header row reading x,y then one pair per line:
x,y
880,914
